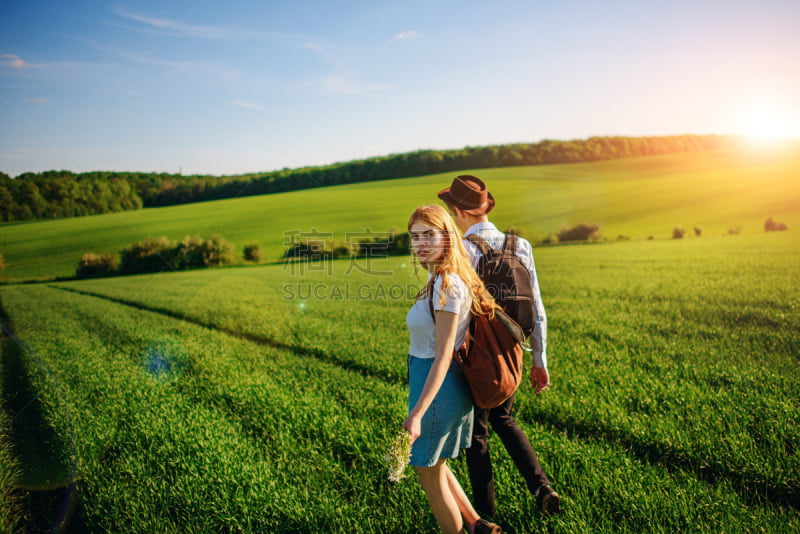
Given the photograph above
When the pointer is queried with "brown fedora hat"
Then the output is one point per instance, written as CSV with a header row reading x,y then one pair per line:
x,y
468,193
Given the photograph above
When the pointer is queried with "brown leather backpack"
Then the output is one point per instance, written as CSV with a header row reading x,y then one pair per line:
x,y
491,356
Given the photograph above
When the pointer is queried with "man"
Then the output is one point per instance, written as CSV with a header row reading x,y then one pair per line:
x,y
470,202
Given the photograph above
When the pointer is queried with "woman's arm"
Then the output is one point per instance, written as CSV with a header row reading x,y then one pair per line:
x,y
446,326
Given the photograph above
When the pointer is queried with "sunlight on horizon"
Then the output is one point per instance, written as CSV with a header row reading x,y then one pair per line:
x,y
768,123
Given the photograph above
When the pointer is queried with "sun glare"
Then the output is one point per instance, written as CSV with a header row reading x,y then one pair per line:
x,y
767,124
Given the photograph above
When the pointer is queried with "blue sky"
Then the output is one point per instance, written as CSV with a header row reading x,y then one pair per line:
x,y
247,86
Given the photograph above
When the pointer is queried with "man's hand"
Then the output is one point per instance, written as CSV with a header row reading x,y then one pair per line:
x,y
540,379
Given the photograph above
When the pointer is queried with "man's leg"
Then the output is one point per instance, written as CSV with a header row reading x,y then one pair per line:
x,y
517,445
480,465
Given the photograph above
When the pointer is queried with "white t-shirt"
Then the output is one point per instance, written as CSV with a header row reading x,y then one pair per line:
x,y
420,323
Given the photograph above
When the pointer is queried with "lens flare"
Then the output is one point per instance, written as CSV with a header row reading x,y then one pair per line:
x,y
164,358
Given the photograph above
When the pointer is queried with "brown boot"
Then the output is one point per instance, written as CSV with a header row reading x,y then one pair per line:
x,y
484,527
548,501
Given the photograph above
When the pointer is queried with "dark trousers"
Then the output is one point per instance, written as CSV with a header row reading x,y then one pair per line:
x,y
517,445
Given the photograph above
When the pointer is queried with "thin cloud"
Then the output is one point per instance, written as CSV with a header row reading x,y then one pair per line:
x,y
40,100
327,51
147,23
191,30
247,105
190,68
341,85
407,36
13,61
201,31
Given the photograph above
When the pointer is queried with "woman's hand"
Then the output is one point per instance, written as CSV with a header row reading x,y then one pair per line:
x,y
413,426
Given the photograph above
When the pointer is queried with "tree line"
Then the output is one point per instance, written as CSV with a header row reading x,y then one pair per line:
x,y
57,194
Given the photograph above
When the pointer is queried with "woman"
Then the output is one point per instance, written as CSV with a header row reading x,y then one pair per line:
x,y
440,405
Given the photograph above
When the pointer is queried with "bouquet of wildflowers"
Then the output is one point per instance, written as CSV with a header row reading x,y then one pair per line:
x,y
398,455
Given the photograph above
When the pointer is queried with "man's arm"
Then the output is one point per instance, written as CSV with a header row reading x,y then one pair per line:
x,y
540,377
538,338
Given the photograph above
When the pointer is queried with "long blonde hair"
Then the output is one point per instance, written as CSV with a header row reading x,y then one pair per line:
x,y
454,260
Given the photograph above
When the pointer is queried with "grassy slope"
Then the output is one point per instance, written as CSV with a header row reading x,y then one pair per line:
x,y
635,197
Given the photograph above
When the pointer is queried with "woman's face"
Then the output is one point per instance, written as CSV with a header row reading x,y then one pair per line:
x,y
427,243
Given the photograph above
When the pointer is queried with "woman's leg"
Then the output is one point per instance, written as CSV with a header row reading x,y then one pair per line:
x,y
464,506
446,508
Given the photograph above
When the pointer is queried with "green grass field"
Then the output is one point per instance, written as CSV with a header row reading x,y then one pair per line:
x,y
636,198
263,398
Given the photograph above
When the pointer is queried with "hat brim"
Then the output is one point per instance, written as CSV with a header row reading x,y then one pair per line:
x,y
447,197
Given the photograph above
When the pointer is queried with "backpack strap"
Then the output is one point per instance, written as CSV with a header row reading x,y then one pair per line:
x,y
479,242
511,244
430,299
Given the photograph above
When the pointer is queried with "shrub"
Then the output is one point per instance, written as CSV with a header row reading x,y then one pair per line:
x,y
734,230
93,265
388,244
698,231
221,251
309,250
401,244
198,252
344,250
771,225
156,255
188,253
678,232
550,239
581,232
147,256
252,252
385,244
373,248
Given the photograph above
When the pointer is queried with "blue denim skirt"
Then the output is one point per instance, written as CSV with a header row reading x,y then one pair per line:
x,y
447,424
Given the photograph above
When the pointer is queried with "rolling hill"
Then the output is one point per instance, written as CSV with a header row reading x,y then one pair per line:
x,y
636,198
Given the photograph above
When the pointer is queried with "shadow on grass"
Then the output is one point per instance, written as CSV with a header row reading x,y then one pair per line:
x,y
752,487
46,488
385,376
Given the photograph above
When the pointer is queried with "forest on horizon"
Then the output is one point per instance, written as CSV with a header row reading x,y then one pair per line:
x,y
60,194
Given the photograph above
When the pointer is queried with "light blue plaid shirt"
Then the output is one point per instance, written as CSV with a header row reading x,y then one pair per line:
x,y
496,238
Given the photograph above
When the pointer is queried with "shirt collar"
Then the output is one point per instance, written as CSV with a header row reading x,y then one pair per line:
x,y
478,227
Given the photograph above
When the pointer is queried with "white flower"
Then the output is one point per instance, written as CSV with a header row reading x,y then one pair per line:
x,y
398,455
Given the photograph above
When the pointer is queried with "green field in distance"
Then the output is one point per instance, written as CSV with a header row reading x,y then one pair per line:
x,y
636,198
